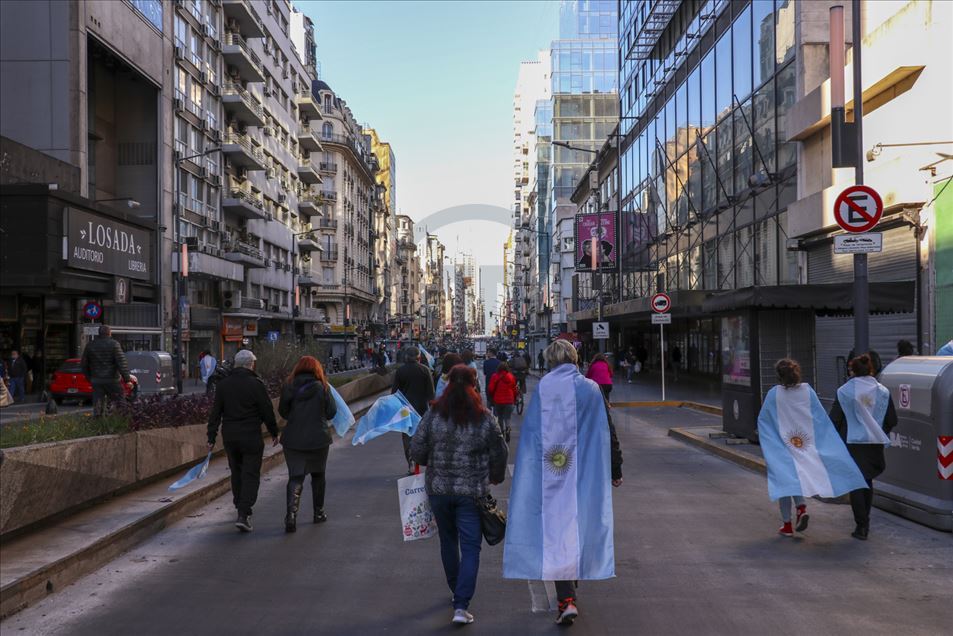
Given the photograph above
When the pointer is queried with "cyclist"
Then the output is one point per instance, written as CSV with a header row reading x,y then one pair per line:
x,y
519,367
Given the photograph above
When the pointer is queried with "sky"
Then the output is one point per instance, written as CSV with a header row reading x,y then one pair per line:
x,y
436,80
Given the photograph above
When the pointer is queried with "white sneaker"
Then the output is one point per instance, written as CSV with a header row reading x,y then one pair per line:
x,y
461,617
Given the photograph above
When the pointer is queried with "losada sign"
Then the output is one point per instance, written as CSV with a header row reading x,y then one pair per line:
x,y
107,246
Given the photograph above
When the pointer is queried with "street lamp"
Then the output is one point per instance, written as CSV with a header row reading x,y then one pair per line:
x,y
178,288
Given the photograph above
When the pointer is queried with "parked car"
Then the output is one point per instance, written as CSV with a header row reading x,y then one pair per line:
x,y
70,383
154,371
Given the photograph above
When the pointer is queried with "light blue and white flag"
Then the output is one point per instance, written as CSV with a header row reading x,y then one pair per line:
x,y
864,402
946,350
427,356
560,513
343,420
389,413
804,453
196,472
442,383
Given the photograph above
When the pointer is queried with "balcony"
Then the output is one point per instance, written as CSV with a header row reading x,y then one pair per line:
x,y
310,204
238,149
328,168
243,204
242,105
307,105
305,280
242,13
329,254
207,265
328,225
329,195
307,172
235,52
307,244
308,138
255,304
238,251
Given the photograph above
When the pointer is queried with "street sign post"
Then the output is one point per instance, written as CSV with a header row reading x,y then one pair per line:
x,y
868,243
661,305
858,209
600,331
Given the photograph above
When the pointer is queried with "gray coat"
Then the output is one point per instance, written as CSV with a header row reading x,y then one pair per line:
x,y
460,459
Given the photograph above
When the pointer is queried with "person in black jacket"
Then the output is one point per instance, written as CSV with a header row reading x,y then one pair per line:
x,y
241,405
308,406
414,381
103,364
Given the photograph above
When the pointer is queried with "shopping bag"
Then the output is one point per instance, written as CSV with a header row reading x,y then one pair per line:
x,y
343,420
196,472
415,513
638,367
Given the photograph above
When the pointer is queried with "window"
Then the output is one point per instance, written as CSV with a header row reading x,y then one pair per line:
x,y
784,33
787,152
763,124
708,91
762,20
181,32
744,159
741,54
327,130
723,75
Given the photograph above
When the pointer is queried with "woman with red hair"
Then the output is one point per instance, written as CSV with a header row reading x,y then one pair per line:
x,y
308,406
461,445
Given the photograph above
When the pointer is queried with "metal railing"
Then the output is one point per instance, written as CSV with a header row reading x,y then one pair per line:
x,y
235,245
327,224
325,166
245,142
252,303
247,197
233,88
330,253
235,39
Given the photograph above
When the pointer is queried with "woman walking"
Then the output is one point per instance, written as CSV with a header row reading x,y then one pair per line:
x,y
864,415
449,361
461,445
502,391
306,403
803,453
601,373
560,514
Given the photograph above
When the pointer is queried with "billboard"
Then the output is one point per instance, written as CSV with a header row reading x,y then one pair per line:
x,y
600,226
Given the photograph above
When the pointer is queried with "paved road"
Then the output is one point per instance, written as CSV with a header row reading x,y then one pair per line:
x,y
696,553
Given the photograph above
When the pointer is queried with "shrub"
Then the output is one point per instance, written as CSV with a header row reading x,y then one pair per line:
x,y
159,412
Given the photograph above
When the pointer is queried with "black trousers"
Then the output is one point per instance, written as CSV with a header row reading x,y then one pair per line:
x,y
318,482
565,589
244,460
103,392
861,502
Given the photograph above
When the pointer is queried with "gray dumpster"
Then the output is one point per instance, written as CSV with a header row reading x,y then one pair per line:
x,y
918,482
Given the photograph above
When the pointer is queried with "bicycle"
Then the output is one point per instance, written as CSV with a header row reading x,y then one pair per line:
x,y
521,390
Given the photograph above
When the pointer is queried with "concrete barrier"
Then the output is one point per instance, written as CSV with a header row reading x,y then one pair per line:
x,y
42,482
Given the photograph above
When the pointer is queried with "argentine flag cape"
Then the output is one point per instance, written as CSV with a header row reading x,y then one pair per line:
x,y
427,356
389,413
560,513
864,402
804,453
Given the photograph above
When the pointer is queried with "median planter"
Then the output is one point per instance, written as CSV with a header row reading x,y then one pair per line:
x,y
44,481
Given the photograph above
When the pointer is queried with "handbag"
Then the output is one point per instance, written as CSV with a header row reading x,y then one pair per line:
x,y
492,519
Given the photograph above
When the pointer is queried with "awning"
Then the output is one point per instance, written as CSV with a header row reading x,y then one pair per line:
x,y
885,297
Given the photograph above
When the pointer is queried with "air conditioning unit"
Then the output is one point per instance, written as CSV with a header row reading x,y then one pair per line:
x,y
216,134
284,73
203,77
231,300
204,221
203,125
282,198
201,173
206,31
214,90
267,131
178,104
241,174
215,180
179,53
192,242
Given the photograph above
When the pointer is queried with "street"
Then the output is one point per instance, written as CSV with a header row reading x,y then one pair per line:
x,y
696,553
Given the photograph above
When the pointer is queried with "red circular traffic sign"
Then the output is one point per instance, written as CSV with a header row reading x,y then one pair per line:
x,y
661,303
858,209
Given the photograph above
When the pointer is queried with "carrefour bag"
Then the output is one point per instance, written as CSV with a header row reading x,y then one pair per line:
x,y
415,513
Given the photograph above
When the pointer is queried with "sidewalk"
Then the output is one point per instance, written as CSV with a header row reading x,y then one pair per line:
x,y
44,561
647,387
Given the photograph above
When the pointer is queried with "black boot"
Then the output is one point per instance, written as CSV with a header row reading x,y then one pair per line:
x,y
320,516
860,532
294,498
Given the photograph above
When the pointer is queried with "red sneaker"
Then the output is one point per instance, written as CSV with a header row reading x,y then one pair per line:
x,y
802,519
786,530
567,612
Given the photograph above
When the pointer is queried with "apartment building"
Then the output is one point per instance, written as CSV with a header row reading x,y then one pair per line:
x,y
409,313
435,295
385,230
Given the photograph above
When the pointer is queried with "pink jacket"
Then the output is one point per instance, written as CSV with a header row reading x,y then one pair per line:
x,y
599,372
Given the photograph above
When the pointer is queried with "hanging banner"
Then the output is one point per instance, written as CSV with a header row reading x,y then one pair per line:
x,y
602,227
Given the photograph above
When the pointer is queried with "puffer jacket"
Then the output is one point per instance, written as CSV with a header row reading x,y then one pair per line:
x,y
104,361
600,372
460,459
308,407
503,388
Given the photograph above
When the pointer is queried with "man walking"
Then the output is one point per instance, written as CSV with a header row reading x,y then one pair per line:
x,y
241,405
414,381
207,366
490,366
18,371
540,361
104,364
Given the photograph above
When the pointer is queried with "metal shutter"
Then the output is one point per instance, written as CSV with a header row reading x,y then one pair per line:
x,y
896,262
785,334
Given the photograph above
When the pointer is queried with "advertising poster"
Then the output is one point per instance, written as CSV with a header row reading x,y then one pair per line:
x,y
735,351
600,226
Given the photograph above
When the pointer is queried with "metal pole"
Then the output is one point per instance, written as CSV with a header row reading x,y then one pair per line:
x,y
294,289
861,288
661,330
177,282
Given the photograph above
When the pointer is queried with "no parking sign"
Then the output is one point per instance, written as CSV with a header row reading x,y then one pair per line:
x,y
858,209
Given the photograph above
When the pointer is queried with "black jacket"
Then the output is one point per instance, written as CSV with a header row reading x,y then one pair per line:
x,y
241,405
19,368
615,449
414,381
104,361
869,458
308,407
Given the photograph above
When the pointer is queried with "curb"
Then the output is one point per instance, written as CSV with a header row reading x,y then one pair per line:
x,y
51,577
689,436
688,404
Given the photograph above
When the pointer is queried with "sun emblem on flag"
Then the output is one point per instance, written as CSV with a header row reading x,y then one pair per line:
x,y
867,401
404,412
798,439
558,459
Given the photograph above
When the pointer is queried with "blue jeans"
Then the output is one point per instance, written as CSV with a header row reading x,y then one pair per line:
x,y
784,503
458,523
17,386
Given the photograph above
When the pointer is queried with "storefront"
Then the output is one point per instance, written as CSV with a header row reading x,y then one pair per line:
x,y
83,265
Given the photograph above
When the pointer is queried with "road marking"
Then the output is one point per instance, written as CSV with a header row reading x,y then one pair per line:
x,y
542,595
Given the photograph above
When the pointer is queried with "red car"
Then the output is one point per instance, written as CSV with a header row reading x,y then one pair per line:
x,y
70,383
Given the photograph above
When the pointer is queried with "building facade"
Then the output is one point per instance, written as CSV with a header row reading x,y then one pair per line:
x,y
410,313
385,229
435,294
